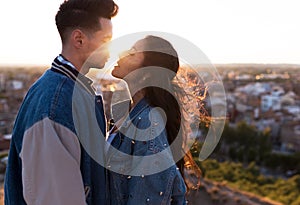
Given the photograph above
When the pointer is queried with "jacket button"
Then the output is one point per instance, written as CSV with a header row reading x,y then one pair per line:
x,y
161,193
148,199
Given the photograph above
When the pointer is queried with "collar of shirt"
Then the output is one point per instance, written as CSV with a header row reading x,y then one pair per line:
x,y
63,66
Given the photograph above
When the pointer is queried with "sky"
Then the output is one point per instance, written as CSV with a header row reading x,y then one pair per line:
x,y
226,31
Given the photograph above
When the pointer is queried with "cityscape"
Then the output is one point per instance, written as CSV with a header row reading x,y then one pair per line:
x,y
261,99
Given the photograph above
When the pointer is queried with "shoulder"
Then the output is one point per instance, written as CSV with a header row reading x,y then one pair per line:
x,y
52,96
50,83
152,118
40,99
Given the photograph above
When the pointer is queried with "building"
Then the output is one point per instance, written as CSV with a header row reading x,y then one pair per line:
x,y
272,101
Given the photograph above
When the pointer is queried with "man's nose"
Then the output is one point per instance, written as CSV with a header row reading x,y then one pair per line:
x,y
105,50
107,53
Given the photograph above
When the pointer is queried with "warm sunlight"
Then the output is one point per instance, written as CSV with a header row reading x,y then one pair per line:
x,y
204,108
227,31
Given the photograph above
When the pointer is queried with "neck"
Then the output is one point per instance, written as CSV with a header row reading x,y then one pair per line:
x,y
75,59
137,95
136,98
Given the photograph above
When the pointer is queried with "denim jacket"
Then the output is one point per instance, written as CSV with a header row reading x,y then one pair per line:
x,y
142,169
47,162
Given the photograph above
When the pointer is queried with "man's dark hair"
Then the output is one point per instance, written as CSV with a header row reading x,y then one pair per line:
x,y
83,14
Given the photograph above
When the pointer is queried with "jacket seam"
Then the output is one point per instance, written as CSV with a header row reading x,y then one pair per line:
x,y
169,186
55,99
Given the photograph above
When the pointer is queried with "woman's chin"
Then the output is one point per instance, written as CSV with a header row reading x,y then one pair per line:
x,y
115,74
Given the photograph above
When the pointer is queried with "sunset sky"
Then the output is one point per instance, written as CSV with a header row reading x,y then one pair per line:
x,y
227,31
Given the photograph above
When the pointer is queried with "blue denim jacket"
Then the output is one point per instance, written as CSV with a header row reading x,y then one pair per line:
x,y
152,177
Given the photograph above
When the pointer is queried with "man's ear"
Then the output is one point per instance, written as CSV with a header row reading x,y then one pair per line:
x,y
77,38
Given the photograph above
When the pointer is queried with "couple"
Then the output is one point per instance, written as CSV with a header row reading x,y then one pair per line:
x,y
48,164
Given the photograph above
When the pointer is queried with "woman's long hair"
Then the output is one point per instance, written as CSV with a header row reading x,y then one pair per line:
x,y
159,53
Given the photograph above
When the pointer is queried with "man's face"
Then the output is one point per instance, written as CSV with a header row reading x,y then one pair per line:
x,y
97,52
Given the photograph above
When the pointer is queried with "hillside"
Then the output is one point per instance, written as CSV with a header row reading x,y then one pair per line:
x,y
213,193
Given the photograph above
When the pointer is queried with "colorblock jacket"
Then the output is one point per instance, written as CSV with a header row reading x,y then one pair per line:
x,y
51,158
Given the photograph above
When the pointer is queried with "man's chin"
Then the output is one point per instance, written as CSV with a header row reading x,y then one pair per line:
x,y
96,66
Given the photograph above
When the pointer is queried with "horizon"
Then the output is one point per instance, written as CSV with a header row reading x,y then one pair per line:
x,y
27,65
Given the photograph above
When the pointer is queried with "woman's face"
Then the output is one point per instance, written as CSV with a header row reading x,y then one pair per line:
x,y
129,60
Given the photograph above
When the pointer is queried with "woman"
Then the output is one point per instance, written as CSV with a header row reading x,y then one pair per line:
x,y
148,141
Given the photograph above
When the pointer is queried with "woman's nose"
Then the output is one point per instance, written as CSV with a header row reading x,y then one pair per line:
x,y
123,54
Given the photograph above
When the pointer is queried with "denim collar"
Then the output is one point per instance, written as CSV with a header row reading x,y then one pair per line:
x,y
138,108
63,66
121,109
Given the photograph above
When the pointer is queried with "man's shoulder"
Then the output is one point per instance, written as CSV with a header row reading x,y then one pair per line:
x,y
53,78
52,83
51,93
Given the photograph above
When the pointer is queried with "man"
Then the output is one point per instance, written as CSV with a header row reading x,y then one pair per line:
x,y
48,164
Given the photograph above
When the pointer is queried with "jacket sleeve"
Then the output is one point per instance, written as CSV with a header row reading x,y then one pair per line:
x,y
51,165
178,197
